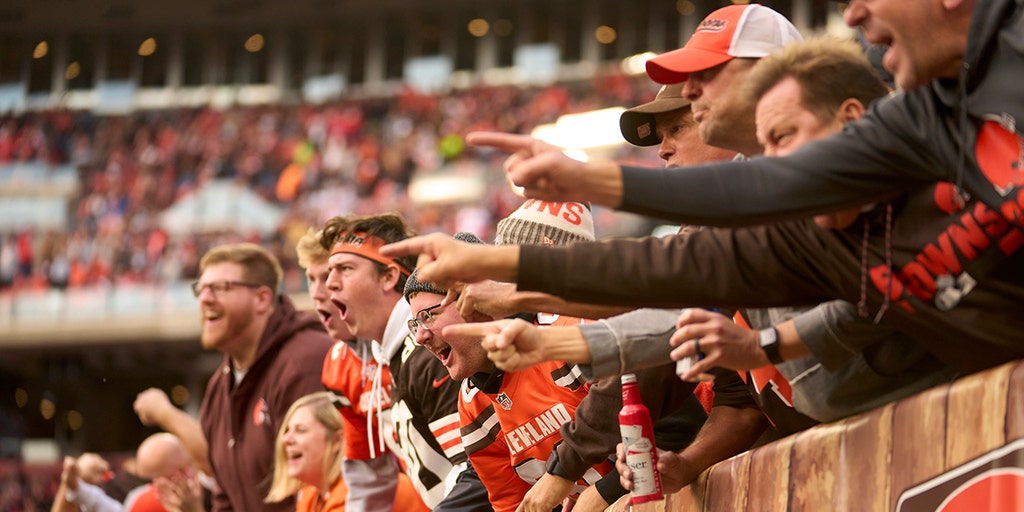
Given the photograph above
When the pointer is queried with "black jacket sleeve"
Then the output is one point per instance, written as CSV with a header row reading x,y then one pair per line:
x,y
763,266
899,145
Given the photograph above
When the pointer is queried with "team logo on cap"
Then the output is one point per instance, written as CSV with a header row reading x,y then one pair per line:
x,y
643,131
994,481
712,25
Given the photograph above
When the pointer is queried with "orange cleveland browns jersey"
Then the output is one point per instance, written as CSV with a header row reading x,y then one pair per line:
x,y
350,377
511,423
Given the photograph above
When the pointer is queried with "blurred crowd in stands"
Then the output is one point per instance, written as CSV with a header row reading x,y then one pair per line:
x,y
315,161
26,488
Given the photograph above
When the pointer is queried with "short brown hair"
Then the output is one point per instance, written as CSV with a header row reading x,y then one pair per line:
x,y
258,265
830,71
390,227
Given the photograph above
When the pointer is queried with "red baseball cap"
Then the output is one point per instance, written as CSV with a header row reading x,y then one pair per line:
x,y
752,31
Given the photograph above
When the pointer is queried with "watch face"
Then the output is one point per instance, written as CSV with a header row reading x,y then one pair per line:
x,y
768,336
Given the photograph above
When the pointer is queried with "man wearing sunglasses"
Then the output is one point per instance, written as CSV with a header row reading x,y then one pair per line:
x,y
272,355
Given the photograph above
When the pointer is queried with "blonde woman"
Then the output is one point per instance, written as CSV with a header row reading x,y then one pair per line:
x,y
307,456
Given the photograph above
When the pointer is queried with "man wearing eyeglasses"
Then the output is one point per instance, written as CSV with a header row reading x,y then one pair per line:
x,y
272,355
366,290
370,470
510,421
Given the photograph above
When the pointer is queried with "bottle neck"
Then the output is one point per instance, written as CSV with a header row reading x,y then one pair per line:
x,y
631,394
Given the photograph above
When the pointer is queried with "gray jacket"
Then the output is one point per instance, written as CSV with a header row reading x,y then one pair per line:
x,y
832,331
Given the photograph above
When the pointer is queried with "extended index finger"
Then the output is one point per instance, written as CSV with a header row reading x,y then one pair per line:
x,y
414,245
507,142
472,329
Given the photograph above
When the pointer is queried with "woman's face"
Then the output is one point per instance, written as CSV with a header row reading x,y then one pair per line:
x,y
306,442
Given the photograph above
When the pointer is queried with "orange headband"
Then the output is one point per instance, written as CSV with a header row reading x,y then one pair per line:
x,y
361,244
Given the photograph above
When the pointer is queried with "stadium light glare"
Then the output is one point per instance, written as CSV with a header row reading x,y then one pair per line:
x,y
148,47
179,395
254,43
75,420
73,70
583,131
41,50
605,34
636,64
462,181
47,408
685,7
21,397
478,27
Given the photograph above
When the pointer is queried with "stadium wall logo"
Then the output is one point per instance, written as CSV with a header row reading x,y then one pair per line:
x,y
993,482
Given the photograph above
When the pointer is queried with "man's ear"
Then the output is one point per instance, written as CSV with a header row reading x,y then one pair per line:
x,y
265,298
851,110
389,278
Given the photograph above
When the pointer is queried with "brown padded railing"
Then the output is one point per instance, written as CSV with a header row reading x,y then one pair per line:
x,y
935,447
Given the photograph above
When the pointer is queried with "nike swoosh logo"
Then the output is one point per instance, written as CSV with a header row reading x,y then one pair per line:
x,y
437,382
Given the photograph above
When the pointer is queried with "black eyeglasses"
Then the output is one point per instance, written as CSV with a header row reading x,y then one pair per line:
x,y
218,287
423,318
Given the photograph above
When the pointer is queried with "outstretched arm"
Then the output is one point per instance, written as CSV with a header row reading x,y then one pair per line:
x,y
546,173
155,409
501,300
62,501
76,494
515,345
444,260
607,348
